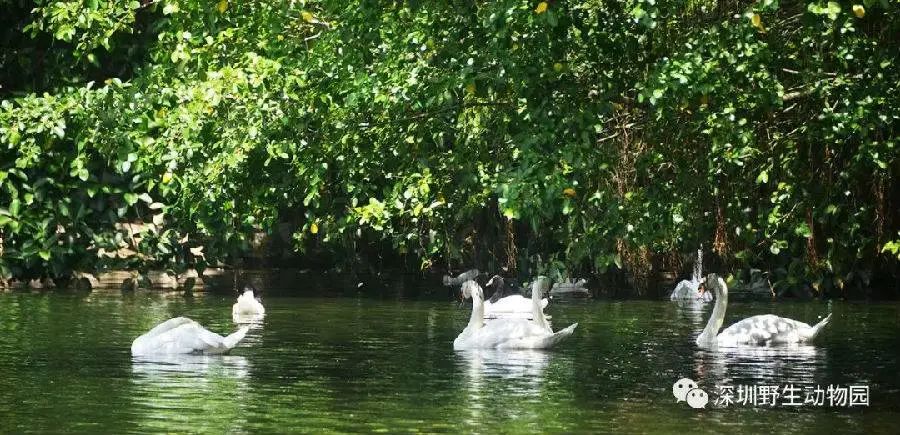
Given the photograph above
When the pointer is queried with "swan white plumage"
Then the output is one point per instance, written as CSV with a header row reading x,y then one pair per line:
x,y
761,330
247,304
182,335
513,306
508,333
570,287
509,307
689,289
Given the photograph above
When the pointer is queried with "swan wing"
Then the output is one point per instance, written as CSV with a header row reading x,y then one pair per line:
x,y
544,340
511,334
166,326
167,340
763,330
495,333
187,337
685,289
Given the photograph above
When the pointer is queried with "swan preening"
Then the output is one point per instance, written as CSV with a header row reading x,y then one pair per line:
x,y
508,333
182,336
507,302
690,289
761,330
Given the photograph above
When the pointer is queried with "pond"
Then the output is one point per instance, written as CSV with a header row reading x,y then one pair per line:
x,y
361,364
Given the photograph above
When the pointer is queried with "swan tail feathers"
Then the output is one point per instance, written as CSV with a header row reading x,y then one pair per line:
x,y
559,336
232,340
817,328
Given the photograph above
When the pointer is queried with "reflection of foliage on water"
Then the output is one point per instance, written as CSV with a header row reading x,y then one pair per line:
x,y
592,135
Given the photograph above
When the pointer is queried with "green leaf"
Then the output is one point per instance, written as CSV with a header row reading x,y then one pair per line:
x,y
803,230
130,198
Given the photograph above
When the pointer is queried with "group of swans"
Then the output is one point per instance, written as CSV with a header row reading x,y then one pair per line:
x,y
182,335
505,302
509,332
760,330
510,322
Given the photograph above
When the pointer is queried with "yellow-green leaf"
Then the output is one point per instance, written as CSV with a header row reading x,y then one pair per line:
x,y
756,20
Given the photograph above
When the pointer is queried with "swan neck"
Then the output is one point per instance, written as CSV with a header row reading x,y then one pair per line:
x,y
718,314
537,312
477,319
698,266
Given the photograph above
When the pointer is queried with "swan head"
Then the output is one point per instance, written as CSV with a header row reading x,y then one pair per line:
x,y
716,284
471,288
495,280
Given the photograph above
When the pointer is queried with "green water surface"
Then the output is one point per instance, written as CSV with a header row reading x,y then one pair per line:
x,y
357,364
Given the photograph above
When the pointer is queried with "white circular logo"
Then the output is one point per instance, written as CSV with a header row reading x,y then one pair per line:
x,y
681,387
697,398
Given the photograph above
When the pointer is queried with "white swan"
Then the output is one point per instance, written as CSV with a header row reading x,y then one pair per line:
x,y
182,335
690,289
513,306
247,304
570,287
508,333
762,330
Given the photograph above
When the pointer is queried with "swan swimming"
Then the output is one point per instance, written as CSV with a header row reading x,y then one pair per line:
x,y
508,333
506,304
247,304
691,289
571,287
182,335
761,330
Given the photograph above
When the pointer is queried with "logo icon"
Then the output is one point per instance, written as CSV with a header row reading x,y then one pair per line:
x,y
686,390
697,398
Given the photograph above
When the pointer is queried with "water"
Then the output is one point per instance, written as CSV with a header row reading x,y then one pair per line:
x,y
346,364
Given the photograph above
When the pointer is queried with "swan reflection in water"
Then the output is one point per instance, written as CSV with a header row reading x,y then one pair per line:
x,y
799,364
254,321
693,313
514,374
173,392
161,367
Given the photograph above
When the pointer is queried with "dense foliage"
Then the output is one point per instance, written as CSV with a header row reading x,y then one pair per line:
x,y
579,136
